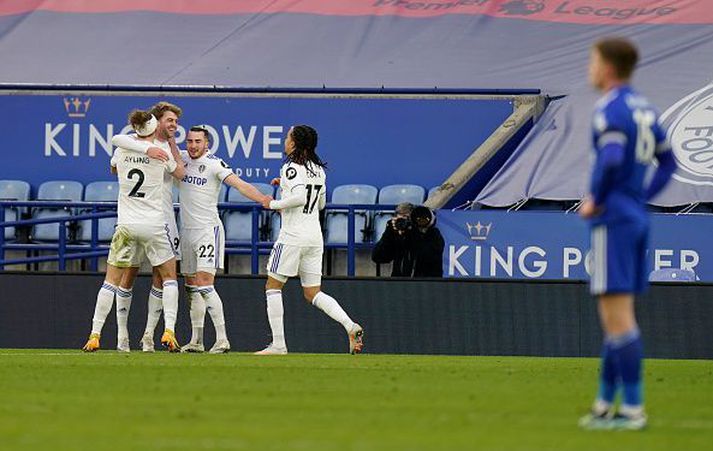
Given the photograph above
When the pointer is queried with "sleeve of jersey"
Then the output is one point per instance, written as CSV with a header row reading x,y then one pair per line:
x,y
666,166
294,193
222,170
610,155
129,143
170,166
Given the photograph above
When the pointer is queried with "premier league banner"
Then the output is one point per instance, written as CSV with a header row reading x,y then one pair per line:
x,y
371,140
554,245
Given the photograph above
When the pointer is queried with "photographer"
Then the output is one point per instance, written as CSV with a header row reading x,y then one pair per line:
x,y
412,242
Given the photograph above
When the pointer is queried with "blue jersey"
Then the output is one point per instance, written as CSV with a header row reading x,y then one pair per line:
x,y
624,117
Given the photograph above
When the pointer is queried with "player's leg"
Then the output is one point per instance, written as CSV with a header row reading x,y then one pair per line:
x,y
614,280
159,251
197,312
124,295
282,264
121,251
189,267
311,277
154,311
209,259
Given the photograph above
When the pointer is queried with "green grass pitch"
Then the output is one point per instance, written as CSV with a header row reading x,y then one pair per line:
x,y
67,400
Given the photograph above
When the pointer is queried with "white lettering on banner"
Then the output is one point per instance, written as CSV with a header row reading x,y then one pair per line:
x,y
689,259
231,142
588,263
268,140
571,257
75,139
496,257
539,265
478,254
50,143
659,261
95,137
453,262
252,172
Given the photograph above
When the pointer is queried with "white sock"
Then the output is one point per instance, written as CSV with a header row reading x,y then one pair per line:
x,y
631,411
170,304
105,300
331,307
275,315
214,305
197,314
155,308
123,305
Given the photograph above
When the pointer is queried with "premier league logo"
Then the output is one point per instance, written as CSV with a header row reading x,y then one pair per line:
x,y
690,130
522,7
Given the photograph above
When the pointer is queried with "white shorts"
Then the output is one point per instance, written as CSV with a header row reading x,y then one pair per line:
x,y
288,261
132,241
202,250
172,230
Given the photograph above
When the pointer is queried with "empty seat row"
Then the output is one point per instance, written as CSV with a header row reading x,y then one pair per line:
x,y
238,224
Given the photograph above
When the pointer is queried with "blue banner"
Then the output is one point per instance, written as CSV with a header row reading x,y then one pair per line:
x,y
372,140
554,245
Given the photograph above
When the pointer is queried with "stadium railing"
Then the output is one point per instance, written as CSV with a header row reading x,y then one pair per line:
x,y
70,248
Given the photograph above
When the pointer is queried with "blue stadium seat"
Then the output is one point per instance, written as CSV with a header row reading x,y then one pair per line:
x,y
238,224
13,190
337,221
66,190
99,192
395,194
672,275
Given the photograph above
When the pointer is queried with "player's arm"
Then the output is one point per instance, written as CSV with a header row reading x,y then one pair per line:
x,y
129,142
609,159
174,149
323,199
245,188
666,164
176,169
296,193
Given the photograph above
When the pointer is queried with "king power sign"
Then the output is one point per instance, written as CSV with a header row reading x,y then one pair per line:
x,y
555,245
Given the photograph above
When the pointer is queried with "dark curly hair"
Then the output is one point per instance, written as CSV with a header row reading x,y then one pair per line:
x,y
305,138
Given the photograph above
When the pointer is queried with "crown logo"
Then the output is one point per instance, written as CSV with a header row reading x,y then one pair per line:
x,y
76,106
478,231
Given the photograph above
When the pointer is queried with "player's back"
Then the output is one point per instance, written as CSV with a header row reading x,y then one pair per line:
x,y
300,225
627,118
141,188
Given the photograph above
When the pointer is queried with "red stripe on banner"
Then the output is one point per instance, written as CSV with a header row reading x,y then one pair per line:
x,y
596,12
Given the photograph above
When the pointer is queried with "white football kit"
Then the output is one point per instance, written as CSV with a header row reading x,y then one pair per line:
x,y
129,143
299,247
202,234
141,225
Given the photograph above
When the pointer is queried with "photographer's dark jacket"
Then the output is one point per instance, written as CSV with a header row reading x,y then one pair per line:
x,y
414,254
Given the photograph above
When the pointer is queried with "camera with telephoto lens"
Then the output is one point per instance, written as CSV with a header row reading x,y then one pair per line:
x,y
402,224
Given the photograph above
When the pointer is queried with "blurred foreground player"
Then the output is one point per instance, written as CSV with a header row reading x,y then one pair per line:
x,y
299,247
627,138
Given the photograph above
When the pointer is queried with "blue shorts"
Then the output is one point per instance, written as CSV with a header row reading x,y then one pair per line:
x,y
619,258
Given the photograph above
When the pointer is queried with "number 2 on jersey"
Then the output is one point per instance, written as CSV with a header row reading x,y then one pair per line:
x,y
312,190
135,190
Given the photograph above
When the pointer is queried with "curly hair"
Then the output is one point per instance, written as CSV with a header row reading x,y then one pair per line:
x,y
160,108
305,138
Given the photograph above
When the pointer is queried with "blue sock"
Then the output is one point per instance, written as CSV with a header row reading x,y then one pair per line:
x,y
608,375
629,352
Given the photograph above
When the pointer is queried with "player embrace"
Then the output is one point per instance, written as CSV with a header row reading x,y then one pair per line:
x,y
627,138
299,247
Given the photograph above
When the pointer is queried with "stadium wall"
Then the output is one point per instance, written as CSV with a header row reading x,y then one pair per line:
x,y
463,317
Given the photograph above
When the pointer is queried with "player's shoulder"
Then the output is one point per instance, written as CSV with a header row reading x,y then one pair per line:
x,y
215,161
292,170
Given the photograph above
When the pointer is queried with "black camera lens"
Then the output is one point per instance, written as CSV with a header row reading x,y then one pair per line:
x,y
402,223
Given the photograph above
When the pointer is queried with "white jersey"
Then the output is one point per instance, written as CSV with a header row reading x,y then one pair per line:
x,y
130,143
199,190
141,187
300,225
